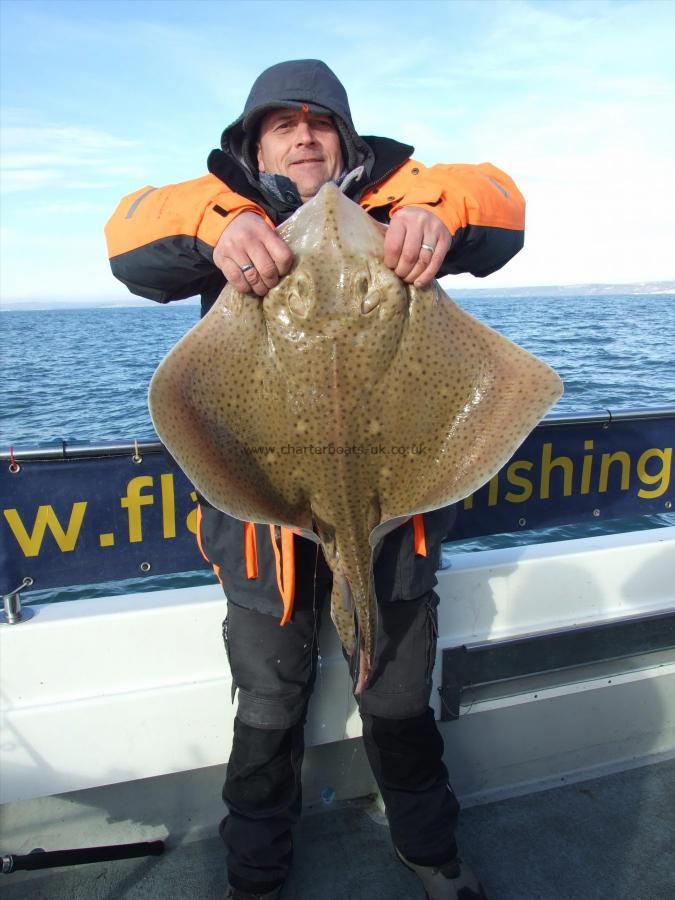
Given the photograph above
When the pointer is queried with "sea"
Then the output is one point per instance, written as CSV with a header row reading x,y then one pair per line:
x,y
81,375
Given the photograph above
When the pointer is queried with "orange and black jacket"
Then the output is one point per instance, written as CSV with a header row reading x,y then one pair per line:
x,y
161,240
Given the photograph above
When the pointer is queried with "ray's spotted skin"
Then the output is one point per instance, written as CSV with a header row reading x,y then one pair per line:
x,y
344,403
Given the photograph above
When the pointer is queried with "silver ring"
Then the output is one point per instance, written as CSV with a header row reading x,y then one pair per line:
x,y
247,267
428,247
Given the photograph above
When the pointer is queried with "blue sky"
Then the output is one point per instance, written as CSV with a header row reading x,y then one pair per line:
x,y
574,100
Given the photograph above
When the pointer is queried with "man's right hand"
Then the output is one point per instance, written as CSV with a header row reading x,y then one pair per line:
x,y
250,240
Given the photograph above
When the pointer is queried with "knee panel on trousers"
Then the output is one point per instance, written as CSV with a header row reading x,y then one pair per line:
x,y
263,772
400,684
409,751
273,667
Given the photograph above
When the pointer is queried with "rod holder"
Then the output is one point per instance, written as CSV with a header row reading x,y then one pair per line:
x,y
13,614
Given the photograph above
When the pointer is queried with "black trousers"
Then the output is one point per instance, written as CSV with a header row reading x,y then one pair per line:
x,y
274,670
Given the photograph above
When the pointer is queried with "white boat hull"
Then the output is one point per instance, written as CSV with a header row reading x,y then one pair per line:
x,y
135,690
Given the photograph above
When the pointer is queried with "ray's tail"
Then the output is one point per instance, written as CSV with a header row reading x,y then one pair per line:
x,y
353,610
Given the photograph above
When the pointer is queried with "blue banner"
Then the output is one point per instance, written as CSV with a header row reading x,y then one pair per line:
x,y
569,472
89,519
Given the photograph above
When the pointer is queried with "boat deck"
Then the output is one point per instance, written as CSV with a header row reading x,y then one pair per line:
x,y
611,838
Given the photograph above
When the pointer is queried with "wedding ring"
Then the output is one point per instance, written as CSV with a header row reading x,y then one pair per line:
x,y
428,247
247,267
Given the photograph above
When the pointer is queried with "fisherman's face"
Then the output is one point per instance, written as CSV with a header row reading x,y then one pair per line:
x,y
302,146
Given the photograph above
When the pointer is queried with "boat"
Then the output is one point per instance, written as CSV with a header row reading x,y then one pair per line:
x,y
554,680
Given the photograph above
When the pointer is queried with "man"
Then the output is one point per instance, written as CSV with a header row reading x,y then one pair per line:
x,y
296,134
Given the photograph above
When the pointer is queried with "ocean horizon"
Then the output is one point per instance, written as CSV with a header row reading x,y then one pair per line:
x,y
593,289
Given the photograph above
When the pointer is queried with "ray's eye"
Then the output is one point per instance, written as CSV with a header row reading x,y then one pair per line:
x,y
361,286
370,302
366,293
300,297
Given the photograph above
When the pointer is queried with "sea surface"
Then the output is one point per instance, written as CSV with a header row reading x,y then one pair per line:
x,y
81,375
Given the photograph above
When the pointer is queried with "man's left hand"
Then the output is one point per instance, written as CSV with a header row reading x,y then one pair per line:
x,y
410,228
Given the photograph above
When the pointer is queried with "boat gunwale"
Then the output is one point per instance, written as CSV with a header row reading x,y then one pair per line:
x,y
135,448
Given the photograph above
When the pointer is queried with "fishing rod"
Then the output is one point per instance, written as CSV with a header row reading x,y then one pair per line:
x,y
49,859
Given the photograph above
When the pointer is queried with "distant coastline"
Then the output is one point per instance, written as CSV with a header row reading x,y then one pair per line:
x,y
102,303
637,289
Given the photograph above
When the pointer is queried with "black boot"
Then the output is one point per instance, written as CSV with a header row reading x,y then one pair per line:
x,y
453,880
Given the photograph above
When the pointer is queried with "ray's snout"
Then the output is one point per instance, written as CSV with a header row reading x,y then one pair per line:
x,y
333,225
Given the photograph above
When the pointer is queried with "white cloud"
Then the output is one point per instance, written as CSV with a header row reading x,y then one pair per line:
x,y
35,156
77,208
12,180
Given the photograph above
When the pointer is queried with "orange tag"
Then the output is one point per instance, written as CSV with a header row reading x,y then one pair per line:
x,y
305,108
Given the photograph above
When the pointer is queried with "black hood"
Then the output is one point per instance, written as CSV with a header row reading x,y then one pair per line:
x,y
294,84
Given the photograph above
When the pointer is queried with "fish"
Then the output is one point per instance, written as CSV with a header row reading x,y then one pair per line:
x,y
344,403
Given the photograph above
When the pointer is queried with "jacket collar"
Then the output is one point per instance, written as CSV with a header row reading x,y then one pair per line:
x,y
389,155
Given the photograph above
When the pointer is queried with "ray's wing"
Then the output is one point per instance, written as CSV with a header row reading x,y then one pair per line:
x,y
476,397
217,402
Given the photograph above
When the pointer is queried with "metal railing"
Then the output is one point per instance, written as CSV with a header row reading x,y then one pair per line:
x,y
118,448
